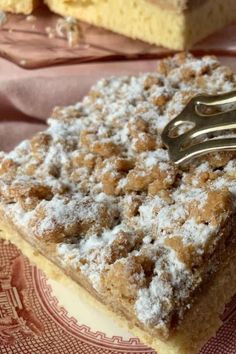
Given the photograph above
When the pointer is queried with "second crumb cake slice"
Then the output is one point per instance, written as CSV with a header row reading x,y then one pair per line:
x,y
98,196
18,6
176,24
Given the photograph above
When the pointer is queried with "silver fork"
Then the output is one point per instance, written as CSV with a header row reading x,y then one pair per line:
x,y
182,147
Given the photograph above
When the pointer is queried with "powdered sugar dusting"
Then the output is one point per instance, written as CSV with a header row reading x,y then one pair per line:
x,y
98,184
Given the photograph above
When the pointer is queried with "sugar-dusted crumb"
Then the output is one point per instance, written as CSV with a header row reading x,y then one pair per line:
x,y
68,28
3,18
99,184
31,18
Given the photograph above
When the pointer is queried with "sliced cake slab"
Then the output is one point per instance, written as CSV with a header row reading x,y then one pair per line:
x,y
97,197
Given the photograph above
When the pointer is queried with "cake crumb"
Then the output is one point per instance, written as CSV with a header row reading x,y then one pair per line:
x,y
31,18
3,18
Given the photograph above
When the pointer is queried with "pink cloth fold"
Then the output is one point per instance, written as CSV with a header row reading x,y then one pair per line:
x,y
34,93
27,97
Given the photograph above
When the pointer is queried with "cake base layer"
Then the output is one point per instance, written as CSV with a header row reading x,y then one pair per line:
x,y
19,7
199,324
151,22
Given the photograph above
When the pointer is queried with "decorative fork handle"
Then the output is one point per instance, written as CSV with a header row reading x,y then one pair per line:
x,y
183,147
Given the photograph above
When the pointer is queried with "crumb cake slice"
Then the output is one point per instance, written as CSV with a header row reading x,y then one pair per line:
x,y
18,6
176,24
97,195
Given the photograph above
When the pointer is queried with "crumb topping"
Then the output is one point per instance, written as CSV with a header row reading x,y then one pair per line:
x,y
98,183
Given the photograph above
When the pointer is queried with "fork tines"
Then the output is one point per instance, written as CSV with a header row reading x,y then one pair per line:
x,y
200,120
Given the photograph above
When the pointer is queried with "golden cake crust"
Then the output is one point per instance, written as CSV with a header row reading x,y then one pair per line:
x,y
178,5
19,6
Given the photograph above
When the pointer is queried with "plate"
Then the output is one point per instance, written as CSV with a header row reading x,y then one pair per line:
x,y
41,316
